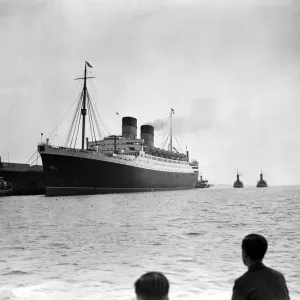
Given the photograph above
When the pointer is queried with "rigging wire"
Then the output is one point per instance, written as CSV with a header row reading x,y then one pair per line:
x,y
93,88
77,115
71,126
178,143
165,141
91,119
77,107
182,143
77,130
91,115
56,127
74,120
30,159
35,161
100,133
94,121
97,111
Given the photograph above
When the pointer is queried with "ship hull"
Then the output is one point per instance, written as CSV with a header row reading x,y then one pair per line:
x,y
69,191
7,192
261,185
201,185
72,175
25,182
238,185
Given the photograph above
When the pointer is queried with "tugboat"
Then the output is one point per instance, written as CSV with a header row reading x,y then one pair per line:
x,y
6,188
202,183
238,183
261,182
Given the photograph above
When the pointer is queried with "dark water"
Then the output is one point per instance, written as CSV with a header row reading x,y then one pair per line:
x,y
95,247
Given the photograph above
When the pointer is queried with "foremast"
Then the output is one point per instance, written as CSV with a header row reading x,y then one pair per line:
x,y
83,109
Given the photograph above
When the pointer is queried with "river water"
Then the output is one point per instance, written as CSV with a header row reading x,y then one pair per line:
x,y
95,247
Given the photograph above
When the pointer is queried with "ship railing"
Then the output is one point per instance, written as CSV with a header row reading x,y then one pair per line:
x,y
76,150
70,149
175,161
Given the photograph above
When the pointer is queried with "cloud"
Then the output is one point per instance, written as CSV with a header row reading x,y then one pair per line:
x,y
230,69
10,8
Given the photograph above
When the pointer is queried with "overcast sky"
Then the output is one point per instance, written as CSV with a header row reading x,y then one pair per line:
x,y
230,69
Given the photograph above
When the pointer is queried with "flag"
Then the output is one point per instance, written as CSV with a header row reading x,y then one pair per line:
x,y
88,64
173,111
117,113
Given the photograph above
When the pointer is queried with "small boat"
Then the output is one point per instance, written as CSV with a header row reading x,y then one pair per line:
x,y
261,182
238,183
202,183
6,188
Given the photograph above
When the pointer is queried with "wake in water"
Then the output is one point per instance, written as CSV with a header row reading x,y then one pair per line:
x,y
57,290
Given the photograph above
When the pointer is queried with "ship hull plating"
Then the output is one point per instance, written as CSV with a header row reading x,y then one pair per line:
x,y
238,185
71,175
261,184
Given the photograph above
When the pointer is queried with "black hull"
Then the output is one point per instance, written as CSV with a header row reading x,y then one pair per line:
x,y
4,193
69,191
25,182
71,175
238,185
263,184
201,185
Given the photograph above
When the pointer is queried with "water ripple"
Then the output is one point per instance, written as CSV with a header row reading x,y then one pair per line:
x,y
95,247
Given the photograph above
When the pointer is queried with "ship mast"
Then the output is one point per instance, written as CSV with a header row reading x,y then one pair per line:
x,y
171,113
84,110
171,130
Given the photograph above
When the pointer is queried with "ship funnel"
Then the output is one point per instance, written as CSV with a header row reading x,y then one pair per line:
x,y
147,133
129,126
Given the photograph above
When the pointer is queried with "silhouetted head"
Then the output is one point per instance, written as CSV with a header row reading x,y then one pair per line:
x,y
152,286
254,248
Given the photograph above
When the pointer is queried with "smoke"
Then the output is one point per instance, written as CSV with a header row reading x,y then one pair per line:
x,y
202,116
159,124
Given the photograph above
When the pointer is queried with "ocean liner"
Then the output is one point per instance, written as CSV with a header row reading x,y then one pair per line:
x,y
116,163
